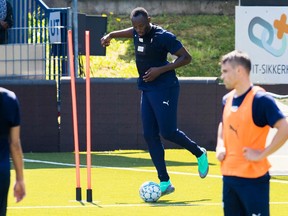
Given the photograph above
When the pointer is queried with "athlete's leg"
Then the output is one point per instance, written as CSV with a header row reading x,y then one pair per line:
x,y
231,203
151,136
254,195
4,188
165,104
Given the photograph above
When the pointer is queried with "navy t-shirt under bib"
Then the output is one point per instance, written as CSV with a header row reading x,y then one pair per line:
x,y
9,117
151,51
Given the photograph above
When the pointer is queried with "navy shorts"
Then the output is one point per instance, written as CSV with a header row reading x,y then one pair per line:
x,y
244,196
4,188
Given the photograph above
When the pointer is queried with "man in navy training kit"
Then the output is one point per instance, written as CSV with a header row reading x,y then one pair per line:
x,y
10,143
160,90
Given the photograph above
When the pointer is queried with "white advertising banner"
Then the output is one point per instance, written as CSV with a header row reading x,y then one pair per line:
x,y
54,27
262,32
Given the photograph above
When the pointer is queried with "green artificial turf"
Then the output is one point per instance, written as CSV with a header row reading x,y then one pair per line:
x,y
116,178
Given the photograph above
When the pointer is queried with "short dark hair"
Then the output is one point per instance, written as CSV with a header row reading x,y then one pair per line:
x,y
139,11
237,57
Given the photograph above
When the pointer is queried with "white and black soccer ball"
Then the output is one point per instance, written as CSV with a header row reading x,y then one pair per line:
x,y
150,191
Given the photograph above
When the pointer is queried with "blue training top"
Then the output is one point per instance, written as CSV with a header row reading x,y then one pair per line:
x,y
9,117
264,109
151,51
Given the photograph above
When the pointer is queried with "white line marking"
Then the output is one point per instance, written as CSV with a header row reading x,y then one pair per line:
x,y
93,205
50,162
134,169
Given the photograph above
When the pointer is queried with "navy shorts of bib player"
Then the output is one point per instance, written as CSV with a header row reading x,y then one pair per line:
x,y
160,90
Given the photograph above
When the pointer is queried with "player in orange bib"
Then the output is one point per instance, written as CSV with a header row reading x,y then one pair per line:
x,y
248,114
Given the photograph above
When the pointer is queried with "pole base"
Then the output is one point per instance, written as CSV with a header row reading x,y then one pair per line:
x,y
89,195
78,194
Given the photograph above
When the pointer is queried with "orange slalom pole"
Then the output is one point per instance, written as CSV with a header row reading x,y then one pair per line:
x,y
88,116
75,120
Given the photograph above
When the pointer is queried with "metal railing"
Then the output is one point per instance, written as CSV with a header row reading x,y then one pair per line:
x,y
30,53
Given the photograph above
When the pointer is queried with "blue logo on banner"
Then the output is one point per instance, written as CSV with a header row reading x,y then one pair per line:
x,y
266,38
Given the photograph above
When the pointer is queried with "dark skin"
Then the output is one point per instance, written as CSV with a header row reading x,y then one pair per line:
x,y
4,25
142,26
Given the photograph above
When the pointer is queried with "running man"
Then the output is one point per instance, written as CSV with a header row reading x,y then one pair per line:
x,y
160,90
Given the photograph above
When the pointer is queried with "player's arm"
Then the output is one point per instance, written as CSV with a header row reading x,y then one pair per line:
x,y
183,58
278,140
17,157
125,33
220,148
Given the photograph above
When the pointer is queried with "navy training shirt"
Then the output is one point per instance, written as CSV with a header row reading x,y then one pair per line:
x,y
264,108
151,51
9,117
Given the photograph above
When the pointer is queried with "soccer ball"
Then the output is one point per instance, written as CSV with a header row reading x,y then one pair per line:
x,y
150,191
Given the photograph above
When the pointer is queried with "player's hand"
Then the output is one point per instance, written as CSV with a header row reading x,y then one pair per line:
x,y
105,40
252,154
220,153
151,74
19,191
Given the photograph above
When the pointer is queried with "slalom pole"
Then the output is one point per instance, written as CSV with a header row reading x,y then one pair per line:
x,y
88,116
75,121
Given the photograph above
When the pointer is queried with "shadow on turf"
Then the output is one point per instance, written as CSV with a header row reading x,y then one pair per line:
x,y
164,203
90,203
67,160
183,203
